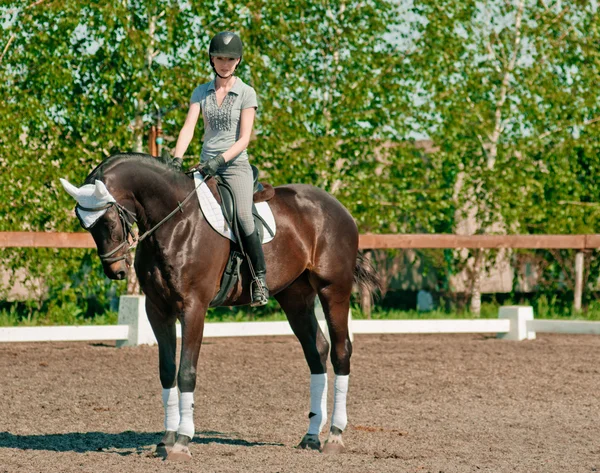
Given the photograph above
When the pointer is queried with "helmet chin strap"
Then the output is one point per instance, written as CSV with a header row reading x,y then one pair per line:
x,y
223,77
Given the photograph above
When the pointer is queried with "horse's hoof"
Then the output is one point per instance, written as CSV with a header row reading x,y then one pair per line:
x,y
334,445
179,453
310,442
162,450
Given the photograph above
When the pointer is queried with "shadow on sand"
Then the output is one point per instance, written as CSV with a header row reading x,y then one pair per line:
x,y
124,443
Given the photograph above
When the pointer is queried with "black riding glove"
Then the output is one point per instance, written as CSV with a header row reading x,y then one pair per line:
x,y
177,164
210,167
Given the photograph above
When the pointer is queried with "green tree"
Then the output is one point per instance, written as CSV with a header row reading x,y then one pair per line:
x,y
81,79
506,87
334,110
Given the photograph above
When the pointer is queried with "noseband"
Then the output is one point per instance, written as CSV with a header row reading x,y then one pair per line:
x,y
127,220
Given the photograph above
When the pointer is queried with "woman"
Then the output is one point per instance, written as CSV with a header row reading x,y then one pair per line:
x,y
228,108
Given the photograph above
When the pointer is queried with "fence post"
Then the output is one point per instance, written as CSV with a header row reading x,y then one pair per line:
x,y
578,281
132,312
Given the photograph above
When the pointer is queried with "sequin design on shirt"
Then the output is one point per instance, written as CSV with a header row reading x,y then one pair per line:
x,y
219,118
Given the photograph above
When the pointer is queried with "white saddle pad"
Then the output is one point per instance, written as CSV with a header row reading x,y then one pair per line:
x,y
214,215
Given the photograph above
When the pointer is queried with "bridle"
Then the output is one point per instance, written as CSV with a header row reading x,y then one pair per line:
x,y
127,218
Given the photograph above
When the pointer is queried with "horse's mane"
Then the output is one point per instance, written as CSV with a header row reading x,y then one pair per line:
x,y
141,158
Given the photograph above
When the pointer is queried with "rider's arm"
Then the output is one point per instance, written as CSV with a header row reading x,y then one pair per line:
x,y
187,131
246,124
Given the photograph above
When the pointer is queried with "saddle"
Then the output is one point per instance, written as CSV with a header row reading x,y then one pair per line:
x,y
226,199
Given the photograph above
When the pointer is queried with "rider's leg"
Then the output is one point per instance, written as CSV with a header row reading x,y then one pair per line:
x,y
239,176
253,246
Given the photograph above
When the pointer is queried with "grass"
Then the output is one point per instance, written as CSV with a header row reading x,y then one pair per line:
x,y
436,314
10,318
241,315
71,315
541,310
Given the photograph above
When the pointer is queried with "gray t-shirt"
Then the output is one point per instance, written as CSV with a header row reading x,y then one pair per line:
x,y
222,124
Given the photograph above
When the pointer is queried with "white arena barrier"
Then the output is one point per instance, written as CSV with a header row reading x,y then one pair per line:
x,y
74,333
132,313
579,327
513,323
519,316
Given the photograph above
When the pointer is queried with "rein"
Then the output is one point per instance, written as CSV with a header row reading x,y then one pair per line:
x,y
127,225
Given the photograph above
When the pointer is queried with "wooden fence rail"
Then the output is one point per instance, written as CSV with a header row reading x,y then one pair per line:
x,y
421,241
367,241
46,240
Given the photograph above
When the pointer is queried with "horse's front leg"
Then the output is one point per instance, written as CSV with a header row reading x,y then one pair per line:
x,y
166,335
192,328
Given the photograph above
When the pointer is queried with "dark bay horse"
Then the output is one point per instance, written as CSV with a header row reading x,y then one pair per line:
x,y
179,266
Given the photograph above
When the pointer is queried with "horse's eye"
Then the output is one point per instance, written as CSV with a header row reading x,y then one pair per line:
x,y
110,223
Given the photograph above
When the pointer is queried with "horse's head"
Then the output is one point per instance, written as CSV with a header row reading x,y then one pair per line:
x,y
109,223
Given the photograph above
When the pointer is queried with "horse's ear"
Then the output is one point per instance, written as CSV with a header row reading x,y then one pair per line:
x,y
70,188
101,192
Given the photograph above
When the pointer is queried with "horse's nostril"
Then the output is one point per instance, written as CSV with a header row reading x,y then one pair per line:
x,y
121,275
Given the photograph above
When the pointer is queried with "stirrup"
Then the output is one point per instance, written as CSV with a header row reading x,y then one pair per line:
x,y
259,293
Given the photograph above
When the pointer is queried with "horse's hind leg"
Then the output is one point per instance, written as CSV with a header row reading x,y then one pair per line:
x,y
335,299
298,302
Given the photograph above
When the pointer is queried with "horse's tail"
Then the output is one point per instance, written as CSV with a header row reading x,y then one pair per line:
x,y
365,275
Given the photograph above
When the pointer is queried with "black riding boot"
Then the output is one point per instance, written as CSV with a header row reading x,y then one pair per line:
x,y
258,288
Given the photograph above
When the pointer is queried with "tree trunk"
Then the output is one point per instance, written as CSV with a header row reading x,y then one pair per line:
x,y
476,284
491,147
578,292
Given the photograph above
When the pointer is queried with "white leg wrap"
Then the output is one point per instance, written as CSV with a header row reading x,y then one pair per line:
x,y
318,403
339,417
186,411
170,399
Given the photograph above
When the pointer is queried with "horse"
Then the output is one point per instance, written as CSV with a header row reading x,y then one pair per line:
x,y
179,267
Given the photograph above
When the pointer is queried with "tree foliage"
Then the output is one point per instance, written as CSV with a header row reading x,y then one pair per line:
x,y
507,94
504,91
83,79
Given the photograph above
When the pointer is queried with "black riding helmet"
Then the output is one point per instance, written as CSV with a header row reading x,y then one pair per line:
x,y
225,44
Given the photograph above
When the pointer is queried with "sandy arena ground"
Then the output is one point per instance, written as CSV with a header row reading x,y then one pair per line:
x,y
422,403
